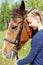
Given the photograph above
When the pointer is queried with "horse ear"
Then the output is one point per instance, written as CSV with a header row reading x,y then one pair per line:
x,y
22,7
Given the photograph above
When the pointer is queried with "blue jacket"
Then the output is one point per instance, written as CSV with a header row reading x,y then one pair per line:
x,y
36,53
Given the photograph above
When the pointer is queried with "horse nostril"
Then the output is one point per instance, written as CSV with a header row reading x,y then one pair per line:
x,y
3,52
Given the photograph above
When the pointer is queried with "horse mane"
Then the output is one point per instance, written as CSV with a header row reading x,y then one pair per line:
x,y
33,31
17,11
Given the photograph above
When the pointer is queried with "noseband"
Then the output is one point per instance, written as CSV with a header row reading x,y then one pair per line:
x,y
16,42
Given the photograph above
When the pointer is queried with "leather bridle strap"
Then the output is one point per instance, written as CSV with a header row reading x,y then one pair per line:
x,y
19,33
9,41
27,31
14,16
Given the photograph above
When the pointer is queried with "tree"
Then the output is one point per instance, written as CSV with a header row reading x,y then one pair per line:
x,y
4,14
14,6
34,4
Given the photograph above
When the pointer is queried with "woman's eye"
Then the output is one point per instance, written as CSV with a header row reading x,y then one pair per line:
x,y
14,27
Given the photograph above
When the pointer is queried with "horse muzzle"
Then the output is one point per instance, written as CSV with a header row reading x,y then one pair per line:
x,y
9,55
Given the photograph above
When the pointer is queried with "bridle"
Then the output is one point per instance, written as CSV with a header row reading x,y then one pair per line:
x,y
16,42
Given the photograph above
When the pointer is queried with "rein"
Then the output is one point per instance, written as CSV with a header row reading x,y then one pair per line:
x,y
16,42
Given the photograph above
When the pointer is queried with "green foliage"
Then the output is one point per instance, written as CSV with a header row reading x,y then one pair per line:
x,y
5,13
14,6
2,35
34,4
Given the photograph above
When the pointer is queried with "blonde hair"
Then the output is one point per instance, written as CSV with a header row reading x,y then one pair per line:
x,y
36,12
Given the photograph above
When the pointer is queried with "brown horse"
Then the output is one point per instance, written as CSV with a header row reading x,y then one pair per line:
x,y
18,32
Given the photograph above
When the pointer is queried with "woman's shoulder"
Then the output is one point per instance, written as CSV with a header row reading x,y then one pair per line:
x,y
39,32
37,38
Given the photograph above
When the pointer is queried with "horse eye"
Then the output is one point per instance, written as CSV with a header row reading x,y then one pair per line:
x,y
14,27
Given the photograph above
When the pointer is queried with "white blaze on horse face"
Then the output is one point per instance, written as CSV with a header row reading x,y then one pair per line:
x,y
4,44
12,55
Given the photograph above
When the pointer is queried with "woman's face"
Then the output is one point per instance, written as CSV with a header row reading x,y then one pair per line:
x,y
33,21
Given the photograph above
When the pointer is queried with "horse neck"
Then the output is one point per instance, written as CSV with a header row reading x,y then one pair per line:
x,y
24,35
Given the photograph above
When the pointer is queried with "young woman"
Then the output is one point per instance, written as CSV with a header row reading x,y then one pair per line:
x,y
36,53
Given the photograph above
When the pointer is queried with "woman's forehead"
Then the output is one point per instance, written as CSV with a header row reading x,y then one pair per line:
x,y
33,16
